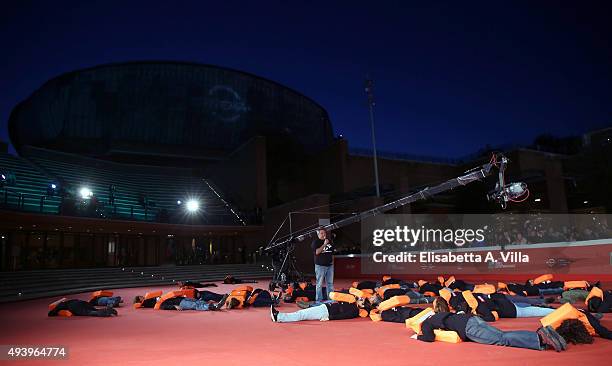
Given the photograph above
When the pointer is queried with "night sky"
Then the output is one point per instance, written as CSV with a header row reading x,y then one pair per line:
x,y
450,78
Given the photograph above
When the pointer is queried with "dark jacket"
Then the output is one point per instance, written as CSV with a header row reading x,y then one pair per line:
x,y
342,310
484,308
399,314
500,303
76,307
596,305
444,321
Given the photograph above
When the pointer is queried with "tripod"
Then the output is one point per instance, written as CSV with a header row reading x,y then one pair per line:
x,y
285,270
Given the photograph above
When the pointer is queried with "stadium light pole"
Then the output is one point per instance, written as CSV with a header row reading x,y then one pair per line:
x,y
369,88
192,206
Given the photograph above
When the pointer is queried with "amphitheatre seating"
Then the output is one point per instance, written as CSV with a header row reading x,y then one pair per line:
x,y
46,283
30,182
162,186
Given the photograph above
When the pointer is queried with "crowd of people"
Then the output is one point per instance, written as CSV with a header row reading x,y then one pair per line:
x,y
455,310
507,230
543,230
460,311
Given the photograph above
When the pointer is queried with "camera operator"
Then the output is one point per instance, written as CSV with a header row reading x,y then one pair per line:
x,y
323,248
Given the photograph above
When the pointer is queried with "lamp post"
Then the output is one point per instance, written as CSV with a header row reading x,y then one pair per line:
x,y
369,88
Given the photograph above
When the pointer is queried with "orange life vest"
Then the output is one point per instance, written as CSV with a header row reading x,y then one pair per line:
x,y
342,297
393,302
566,311
101,293
148,296
450,281
446,295
471,300
240,293
414,323
542,278
170,295
595,292
484,288
189,291
375,315
568,285
361,293
381,290
53,305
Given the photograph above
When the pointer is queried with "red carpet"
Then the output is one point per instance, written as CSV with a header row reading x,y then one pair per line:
x,y
248,337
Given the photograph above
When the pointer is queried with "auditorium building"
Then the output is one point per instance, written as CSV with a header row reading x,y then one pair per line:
x,y
168,163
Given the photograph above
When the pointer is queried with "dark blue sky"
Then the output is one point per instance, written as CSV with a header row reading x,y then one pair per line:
x,y
450,78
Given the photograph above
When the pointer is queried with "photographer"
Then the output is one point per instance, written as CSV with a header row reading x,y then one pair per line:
x,y
323,248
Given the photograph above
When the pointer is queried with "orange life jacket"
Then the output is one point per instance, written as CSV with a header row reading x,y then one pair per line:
x,y
543,278
566,311
101,293
170,295
342,297
241,294
446,295
568,285
53,305
393,302
375,315
148,296
450,281
595,292
471,300
484,288
381,290
189,291
361,293
414,323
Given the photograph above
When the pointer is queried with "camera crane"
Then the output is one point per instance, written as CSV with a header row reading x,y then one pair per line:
x,y
502,193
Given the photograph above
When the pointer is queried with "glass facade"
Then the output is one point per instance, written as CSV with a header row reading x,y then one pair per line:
x,y
152,107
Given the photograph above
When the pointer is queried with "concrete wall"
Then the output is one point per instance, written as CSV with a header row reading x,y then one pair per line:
x,y
242,176
550,166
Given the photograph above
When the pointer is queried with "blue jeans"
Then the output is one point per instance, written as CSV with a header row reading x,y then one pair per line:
x,y
193,304
210,296
109,301
324,273
516,299
551,291
477,330
418,298
524,310
314,313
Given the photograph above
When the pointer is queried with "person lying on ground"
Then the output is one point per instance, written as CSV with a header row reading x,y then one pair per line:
x,y
105,298
77,307
491,307
599,301
472,328
322,312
